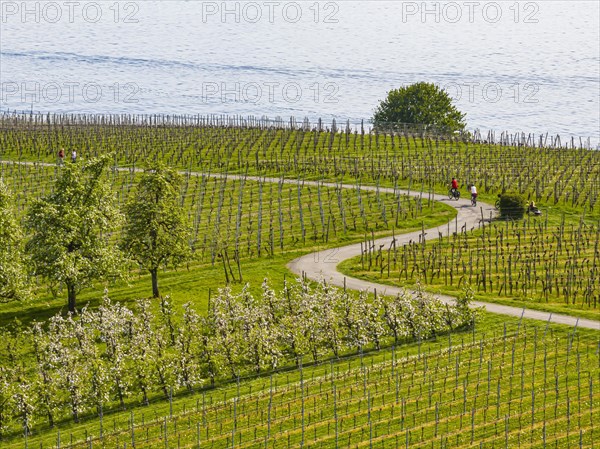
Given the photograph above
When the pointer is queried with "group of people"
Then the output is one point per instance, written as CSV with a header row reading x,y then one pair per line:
x,y
61,156
472,189
531,208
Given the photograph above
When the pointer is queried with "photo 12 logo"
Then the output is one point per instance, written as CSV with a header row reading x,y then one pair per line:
x,y
493,92
470,12
67,92
69,12
271,12
269,92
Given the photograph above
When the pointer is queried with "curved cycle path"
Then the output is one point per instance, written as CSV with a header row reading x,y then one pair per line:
x,y
323,264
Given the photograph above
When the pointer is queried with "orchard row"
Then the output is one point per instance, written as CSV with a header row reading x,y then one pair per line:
x,y
82,365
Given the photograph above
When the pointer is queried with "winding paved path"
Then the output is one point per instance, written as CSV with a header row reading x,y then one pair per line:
x,y
323,264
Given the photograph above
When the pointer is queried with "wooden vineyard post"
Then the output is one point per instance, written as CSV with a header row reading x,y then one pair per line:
x,y
234,422
165,433
369,419
132,430
171,403
101,424
269,410
335,417
302,399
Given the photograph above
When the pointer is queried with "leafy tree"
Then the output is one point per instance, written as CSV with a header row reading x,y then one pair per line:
x,y
163,340
143,354
46,384
69,363
464,313
96,364
295,322
328,318
352,316
225,330
259,333
420,103
13,276
187,344
114,324
156,232
6,397
70,243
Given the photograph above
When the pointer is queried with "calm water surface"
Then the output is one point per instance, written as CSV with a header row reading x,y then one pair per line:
x,y
518,66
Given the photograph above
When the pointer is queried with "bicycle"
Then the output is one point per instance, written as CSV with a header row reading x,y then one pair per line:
x,y
473,199
454,194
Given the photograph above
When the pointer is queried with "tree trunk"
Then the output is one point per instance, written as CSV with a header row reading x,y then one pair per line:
x,y
145,396
72,297
26,428
155,292
75,413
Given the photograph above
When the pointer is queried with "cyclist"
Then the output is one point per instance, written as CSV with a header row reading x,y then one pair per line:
x,y
473,194
454,187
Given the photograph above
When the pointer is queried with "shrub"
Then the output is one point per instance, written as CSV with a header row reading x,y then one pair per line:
x,y
420,103
512,205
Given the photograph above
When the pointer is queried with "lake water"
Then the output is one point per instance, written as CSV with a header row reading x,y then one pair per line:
x,y
518,66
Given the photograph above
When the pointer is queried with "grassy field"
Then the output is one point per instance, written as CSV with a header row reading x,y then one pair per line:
x,y
504,384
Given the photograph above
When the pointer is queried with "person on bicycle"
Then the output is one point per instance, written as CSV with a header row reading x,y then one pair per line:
x,y
454,186
473,193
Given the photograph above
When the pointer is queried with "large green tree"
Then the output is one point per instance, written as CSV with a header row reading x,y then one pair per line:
x,y
13,275
157,232
420,103
71,228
